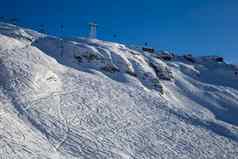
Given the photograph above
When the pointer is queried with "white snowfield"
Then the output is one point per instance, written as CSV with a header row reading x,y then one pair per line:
x,y
89,99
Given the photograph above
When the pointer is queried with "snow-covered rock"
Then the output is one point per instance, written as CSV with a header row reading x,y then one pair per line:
x,y
87,98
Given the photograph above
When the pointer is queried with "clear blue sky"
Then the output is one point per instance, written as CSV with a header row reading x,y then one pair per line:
x,y
200,27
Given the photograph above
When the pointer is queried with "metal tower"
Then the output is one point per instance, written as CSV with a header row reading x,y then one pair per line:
x,y
61,41
93,30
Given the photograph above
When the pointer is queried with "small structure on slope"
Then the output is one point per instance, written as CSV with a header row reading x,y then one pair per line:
x,y
219,59
147,49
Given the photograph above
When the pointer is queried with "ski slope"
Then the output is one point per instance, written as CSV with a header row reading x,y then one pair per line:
x,y
82,98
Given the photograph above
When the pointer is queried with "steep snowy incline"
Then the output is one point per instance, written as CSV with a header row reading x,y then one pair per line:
x,y
86,98
211,85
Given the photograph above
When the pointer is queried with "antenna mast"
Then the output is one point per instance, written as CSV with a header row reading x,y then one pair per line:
x,y
93,30
61,41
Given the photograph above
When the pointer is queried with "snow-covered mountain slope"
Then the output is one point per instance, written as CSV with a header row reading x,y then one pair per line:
x,y
86,98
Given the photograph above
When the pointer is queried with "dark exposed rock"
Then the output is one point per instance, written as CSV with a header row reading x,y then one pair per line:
x,y
164,55
79,58
189,58
110,68
157,85
162,72
131,73
90,56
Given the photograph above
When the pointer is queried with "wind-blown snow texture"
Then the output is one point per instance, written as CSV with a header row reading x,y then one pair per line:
x,y
85,98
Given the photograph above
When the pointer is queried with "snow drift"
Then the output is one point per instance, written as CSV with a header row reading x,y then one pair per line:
x,y
86,98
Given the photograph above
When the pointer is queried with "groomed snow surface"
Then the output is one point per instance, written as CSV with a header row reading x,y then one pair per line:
x,y
80,98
